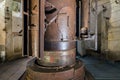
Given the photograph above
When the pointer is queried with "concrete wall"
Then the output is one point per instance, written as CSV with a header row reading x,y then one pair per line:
x,y
14,41
94,42
2,28
108,28
11,26
114,30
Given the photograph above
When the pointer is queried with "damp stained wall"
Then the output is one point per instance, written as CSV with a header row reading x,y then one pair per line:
x,y
109,29
114,30
97,25
108,13
14,40
11,28
2,27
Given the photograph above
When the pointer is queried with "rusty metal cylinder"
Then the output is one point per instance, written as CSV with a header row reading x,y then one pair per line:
x,y
34,28
35,72
60,46
85,13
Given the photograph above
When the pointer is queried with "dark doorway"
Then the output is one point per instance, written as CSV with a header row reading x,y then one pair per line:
x,y
25,13
78,18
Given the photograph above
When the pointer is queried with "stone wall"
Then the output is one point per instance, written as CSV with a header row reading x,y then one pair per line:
x,y
114,30
108,12
11,28
14,26
2,28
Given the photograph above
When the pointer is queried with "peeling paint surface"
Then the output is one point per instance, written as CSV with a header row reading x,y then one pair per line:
x,y
114,29
108,12
2,23
14,26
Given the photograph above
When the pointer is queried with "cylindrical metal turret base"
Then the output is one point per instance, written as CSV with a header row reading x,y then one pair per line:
x,y
37,72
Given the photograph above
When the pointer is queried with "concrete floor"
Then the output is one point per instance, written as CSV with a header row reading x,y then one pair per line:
x,y
13,70
102,70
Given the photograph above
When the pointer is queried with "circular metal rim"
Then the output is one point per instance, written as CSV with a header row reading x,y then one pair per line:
x,y
59,45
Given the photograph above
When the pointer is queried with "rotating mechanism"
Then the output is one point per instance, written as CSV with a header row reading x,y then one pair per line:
x,y
56,34
60,33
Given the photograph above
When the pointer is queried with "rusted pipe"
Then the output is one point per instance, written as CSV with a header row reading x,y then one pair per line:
x,y
34,28
85,17
41,27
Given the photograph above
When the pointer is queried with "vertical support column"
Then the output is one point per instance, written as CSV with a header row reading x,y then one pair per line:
x,y
96,28
41,27
34,28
